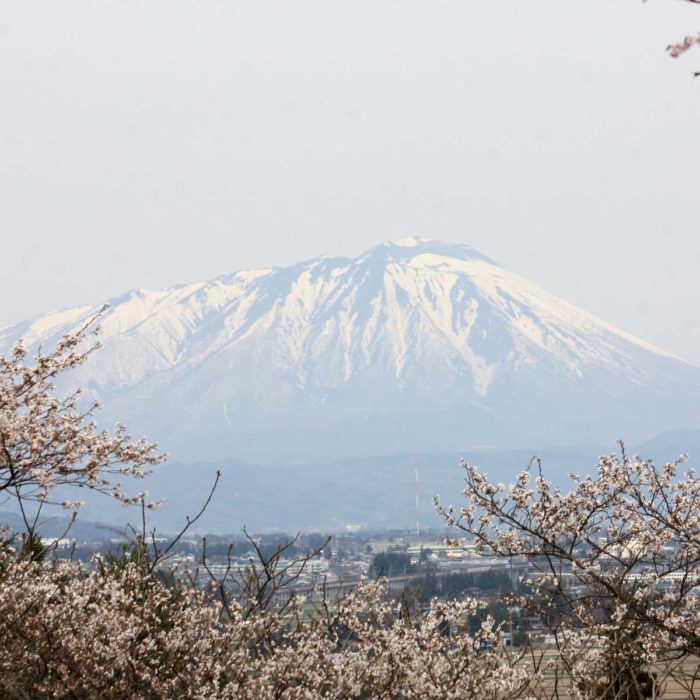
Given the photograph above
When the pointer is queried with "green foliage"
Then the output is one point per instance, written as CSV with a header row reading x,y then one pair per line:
x,y
390,564
459,584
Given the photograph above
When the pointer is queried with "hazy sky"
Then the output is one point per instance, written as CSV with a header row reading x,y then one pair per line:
x,y
149,142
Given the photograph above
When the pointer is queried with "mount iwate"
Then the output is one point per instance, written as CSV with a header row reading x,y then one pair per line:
x,y
413,346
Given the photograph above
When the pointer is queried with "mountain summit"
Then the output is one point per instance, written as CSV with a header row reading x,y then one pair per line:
x,y
413,345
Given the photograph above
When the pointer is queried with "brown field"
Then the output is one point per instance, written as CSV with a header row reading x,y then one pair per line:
x,y
678,680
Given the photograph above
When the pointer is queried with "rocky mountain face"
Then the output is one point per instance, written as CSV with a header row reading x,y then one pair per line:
x,y
413,346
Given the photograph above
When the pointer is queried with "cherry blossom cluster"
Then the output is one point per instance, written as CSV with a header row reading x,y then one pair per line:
x,y
614,564
48,441
676,50
120,632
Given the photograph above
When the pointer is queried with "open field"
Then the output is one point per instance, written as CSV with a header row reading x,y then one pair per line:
x,y
678,680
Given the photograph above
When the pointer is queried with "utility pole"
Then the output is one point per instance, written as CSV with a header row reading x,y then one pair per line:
x,y
415,487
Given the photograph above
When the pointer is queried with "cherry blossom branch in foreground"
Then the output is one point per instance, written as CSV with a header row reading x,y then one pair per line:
x,y
49,441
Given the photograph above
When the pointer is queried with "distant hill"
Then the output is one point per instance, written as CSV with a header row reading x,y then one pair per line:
x,y
374,493
56,522
668,446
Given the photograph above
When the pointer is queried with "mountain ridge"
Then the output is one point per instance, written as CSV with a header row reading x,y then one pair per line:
x,y
414,341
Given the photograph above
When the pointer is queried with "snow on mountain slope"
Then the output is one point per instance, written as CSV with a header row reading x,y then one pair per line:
x,y
413,345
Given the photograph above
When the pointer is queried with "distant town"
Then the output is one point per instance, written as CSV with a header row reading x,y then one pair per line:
x,y
416,566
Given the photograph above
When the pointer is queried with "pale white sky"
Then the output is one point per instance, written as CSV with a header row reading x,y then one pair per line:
x,y
148,143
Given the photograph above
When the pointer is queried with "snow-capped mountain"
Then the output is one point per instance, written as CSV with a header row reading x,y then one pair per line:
x,y
414,345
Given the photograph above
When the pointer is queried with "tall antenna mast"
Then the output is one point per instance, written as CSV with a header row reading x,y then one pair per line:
x,y
416,462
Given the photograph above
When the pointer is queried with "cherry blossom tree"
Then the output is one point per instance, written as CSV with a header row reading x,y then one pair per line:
x,y
49,441
614,568
115,633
